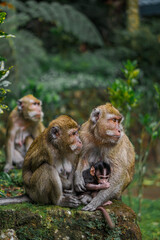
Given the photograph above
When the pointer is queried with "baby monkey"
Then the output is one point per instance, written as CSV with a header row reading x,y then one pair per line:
x,y
97,178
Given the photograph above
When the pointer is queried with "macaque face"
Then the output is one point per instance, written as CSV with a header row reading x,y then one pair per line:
x,y
35,110
102,178
64,135
75,142
113,126
108,127
31,108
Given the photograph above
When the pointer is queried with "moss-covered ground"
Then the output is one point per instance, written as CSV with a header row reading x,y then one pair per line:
x,y
11,184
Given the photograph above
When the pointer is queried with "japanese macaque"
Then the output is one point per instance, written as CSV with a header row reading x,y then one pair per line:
x,y
97,178
24,125
50,162
103,137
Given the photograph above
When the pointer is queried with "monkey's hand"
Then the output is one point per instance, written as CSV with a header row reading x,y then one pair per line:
x,y
8,167
85,199
89,207
92,206
104,185
70,201
79,183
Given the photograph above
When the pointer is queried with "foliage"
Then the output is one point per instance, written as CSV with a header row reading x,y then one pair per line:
x,y
66,17
142,45
11,183
3,72
125,95
66,87
25,51
36,60
91,62
150,126
149,224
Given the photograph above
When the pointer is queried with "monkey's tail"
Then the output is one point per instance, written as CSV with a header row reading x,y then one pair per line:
x,y
14,200
106,216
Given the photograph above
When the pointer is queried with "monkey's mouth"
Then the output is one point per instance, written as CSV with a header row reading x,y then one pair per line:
x,y
38,116
114,136
76,148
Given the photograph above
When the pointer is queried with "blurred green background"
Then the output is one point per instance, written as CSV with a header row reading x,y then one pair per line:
x,y
75,55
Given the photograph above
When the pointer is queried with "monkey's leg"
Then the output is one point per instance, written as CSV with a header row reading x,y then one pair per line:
x,y
46,187
107,203
17,159
28,142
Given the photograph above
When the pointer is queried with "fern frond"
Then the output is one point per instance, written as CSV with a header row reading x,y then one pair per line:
x,y
65,16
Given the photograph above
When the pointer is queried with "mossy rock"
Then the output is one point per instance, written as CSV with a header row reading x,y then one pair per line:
x,y
36,222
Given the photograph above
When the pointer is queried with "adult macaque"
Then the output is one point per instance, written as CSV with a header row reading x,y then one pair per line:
x,y
50,161
103,137
97,178
24,124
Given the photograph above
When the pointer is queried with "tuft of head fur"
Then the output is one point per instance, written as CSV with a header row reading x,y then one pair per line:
x,y
64,122
29,98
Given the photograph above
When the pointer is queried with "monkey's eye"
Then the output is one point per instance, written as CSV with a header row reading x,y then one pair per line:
x,y
36,103
75,133
103,177
114,119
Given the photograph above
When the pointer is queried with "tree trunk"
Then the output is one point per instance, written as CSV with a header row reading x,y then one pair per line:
x,y
133,20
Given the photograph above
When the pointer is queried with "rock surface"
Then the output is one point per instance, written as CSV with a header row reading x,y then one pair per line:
x,y
36,222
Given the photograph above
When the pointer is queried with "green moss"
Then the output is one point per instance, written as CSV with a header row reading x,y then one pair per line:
x,y
33,221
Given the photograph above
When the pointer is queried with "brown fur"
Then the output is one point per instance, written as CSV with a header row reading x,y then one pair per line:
x,y
48,157
23,127
98,146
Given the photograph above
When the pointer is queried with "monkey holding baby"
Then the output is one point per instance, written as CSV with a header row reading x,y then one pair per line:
x,y
24,125
103,137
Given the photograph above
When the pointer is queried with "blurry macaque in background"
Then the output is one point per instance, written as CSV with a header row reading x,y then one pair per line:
x,y
24,125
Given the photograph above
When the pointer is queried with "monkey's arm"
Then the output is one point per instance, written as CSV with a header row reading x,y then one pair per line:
x,y
114,191
79,183
10,138
96,187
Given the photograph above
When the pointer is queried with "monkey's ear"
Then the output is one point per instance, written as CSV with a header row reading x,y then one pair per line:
x,y
55,131
95,114
92,171
19,105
